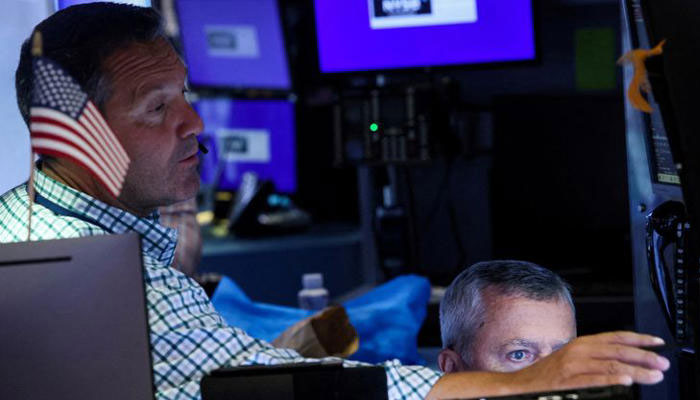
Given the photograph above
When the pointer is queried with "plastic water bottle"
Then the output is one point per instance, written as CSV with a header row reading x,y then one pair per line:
x,y
313,296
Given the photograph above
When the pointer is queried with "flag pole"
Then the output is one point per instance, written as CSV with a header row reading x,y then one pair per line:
x,y
36,52
30,193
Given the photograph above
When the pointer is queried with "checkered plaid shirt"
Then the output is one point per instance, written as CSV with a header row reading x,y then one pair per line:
x,y
188,337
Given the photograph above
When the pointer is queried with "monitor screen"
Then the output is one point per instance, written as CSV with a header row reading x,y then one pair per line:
x,y
386,34
61,4
248,135
234,44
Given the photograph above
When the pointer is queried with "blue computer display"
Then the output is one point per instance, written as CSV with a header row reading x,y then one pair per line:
x,y
234,44
363,35
248,135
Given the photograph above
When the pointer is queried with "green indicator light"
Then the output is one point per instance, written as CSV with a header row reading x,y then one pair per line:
x,y
374,127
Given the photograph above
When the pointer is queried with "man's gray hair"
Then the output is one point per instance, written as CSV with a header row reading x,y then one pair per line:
x,y
462,308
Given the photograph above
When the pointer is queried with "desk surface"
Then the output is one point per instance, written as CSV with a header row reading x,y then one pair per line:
x,y
318,236
270,269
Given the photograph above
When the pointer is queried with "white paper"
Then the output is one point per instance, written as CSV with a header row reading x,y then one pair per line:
x,y
244,145
232,41
384,14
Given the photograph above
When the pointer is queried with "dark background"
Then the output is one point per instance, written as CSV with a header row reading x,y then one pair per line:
x,y
535,169
539,167
529,160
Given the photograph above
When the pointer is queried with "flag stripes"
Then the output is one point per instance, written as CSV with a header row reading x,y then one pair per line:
x,y
59,148
65,123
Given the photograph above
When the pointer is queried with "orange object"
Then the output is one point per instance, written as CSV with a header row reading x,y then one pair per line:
x,y
640,80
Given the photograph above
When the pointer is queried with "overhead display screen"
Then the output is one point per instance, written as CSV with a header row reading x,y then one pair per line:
x,y
234,44
364,35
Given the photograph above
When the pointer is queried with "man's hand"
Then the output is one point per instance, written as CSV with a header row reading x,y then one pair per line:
x,y
604,359
612,358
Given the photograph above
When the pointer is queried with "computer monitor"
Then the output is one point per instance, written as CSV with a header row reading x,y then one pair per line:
x,y
364,35
74,322
61,4
233,44
248,135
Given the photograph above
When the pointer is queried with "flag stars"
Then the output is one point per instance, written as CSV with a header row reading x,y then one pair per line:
x,y
56,89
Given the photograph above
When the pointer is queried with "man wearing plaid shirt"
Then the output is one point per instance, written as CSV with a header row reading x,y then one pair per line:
x,y
120,56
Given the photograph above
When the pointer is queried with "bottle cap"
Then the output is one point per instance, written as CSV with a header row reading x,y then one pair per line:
x,y
312,281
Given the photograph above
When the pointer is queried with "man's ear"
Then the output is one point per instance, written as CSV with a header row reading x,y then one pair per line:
x,y
450,361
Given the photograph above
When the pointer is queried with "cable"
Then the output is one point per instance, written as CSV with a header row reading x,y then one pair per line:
x,y
438,197
414,248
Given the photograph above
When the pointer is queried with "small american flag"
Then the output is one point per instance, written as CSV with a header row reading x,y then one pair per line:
x,y
65,123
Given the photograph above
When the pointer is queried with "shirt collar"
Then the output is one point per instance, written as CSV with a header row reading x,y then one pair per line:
x,y
157,240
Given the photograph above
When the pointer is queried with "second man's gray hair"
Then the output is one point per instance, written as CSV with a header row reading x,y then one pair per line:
x,y
462,308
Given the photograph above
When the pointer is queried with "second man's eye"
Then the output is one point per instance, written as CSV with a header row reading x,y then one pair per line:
x,y
159,108
519,356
